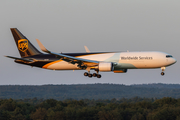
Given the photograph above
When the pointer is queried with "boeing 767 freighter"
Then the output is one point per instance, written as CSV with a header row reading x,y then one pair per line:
x,y
117,62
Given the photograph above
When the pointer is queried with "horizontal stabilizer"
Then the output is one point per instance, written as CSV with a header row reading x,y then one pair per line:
x,y
23,59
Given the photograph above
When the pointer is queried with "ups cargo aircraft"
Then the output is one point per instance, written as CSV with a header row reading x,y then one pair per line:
x,y
117,62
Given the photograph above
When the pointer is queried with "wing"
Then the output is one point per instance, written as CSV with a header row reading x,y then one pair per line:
x,y
82,63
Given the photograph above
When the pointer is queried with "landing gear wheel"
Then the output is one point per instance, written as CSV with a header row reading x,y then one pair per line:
x,y
94,75
163,69
85,74
98,76
162,73
90,75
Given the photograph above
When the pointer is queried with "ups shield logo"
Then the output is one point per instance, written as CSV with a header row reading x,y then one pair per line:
x,y
23,45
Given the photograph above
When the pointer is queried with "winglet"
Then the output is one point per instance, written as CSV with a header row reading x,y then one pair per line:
x,y
42,46
86,48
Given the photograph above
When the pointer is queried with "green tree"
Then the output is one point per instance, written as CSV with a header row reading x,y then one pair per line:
x,y
60,115
39,114
8,105
50,114
138,116
4,115
70,113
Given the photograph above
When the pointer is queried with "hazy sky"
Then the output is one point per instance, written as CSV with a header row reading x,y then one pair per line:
x,y
102,25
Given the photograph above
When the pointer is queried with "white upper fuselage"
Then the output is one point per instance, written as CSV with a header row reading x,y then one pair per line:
x,y
123,60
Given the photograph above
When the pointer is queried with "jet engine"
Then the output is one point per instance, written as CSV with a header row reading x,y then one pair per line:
x,y
105,66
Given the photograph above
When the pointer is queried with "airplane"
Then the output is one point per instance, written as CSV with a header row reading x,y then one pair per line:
x,y
117,62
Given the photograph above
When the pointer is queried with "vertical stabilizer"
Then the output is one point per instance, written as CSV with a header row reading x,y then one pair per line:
x,y
24,46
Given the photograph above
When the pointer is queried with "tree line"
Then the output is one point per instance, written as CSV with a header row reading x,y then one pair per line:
x,y
89,91
123,109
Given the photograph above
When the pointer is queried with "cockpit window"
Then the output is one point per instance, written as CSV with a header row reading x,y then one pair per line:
x,y
169,56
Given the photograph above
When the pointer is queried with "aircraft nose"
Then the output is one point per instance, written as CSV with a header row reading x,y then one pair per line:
x,y
175,60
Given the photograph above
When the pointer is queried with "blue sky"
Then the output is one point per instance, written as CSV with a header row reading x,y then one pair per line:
x,y
102,25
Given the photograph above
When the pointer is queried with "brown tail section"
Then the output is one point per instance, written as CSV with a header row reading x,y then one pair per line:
x,y
23,44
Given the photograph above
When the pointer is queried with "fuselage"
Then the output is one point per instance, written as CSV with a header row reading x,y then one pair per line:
x,y
122,60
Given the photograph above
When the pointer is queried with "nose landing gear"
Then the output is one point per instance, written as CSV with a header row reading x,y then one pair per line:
x,y
162,73
163,69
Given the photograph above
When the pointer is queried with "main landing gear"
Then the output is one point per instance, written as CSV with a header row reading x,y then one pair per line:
x,y
92,75
163,69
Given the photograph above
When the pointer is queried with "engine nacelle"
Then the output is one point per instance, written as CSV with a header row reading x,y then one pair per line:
x,y
105,66
120,71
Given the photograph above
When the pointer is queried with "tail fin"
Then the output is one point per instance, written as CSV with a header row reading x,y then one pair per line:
x,y
23,44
